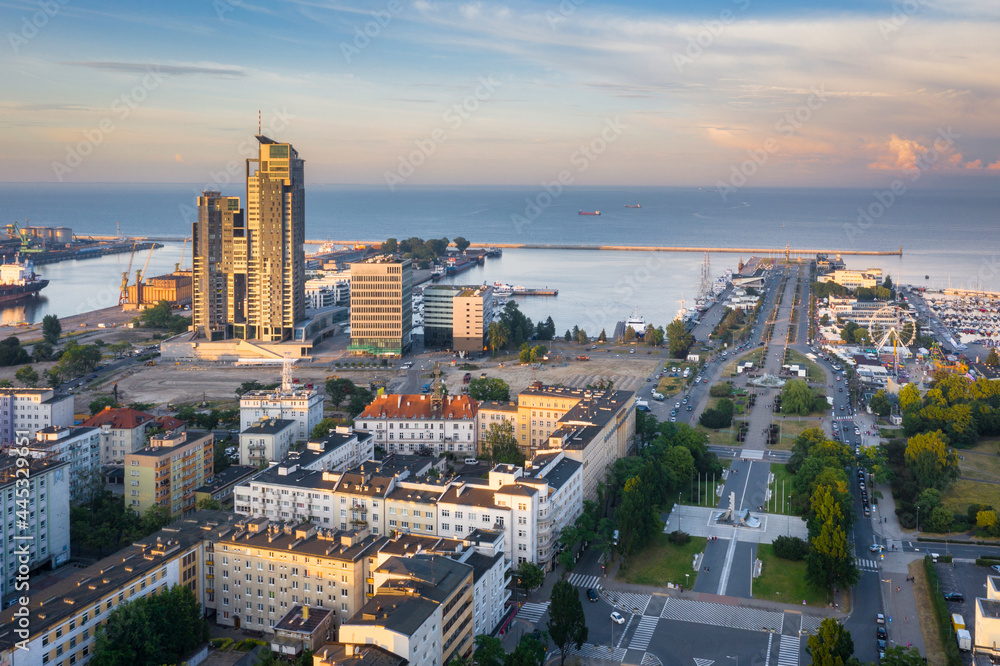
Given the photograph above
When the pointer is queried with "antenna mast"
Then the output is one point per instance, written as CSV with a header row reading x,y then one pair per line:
x,y
258,122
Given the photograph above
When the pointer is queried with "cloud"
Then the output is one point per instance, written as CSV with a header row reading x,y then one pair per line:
x,y
213,69
52,107
899,154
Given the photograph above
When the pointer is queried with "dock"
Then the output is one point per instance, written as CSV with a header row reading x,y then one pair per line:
x,y
535,292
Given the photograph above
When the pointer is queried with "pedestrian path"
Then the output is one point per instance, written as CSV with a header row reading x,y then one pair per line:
x,y
532,612
631,601
643,633
788,651
580,580
721,615
866,564
591,651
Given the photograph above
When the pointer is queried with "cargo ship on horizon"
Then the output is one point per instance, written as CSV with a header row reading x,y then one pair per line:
x,y
585,212
19,281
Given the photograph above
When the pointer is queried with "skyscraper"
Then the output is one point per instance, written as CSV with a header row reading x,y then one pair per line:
x,y
381,306
249,269
219,248
276,243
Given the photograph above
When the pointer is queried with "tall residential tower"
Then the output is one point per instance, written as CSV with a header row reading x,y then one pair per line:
x,y
219,247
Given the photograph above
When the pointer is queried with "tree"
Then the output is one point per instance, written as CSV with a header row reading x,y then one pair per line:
x,y
497,336
831,645
824,320
653,336
390,246
488,651
680,339
529,652
909,396
323,428
42,351
899,655
629,335
797,398
928,458
489,388
51,329
98,404
338,390
155,518
76,360
27,375
209,504
461,244
581,337
530,576
880,403
603,337
12,353
360,397
567,336
567,624
161,316
499,445
635,516
993,359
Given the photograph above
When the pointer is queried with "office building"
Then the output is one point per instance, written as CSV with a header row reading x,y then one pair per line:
x,y
410,423
381,306
80,447
63,617
869,278
168,471
422,610
302,405
124,430
268,440
219,250
265,568
25,411
42,532
458,317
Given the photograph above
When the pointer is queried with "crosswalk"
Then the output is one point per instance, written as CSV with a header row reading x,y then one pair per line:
x,y
580,580
866,564
810,624
532,612
591,651
650,659
788,651
631,601
721,615
643,633
752,454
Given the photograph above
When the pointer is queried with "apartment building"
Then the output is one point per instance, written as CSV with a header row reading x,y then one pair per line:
x,y
458,317
80,447
223,483
25,411
267,441
168,471
124,430
265,568
381,306
219,251
299,404
870,278
329,290
411,422
63,618
494,411
422,610
38,530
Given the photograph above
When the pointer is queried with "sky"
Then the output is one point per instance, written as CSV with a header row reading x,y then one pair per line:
x,y
404,93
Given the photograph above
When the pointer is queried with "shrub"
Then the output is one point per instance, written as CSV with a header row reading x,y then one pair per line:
x,y
222,643
721,390
679,538
790,548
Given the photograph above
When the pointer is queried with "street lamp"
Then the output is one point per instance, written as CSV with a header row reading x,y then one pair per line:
x,y
918,520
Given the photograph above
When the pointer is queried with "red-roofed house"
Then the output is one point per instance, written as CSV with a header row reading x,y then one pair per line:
x,y
123,431
408,423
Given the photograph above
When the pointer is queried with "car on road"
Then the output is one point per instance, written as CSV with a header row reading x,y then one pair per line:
x,y
880,633
617,618
592,595
689,408
954,596
876,548
879,618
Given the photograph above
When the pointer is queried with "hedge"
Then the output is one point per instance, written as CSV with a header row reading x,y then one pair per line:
x,y
943,615
987,561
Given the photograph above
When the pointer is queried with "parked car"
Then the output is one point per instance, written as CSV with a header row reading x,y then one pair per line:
x,y
954,596
880,633
879,618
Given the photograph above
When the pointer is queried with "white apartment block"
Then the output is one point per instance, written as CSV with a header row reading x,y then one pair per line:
x,y
38,529
302,405
28,410
408,423
267,441
327,291
80,447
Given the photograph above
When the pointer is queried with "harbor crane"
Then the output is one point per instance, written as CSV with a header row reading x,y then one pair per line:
x,y
139,275
123,296
16,231
177,266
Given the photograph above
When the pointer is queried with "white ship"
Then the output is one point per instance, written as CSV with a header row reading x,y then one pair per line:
x,y
637,323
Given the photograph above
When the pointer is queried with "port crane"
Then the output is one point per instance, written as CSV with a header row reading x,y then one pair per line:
x,y
177,266
139,275
123,296
15,231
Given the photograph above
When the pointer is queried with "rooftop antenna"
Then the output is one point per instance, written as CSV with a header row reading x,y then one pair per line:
x,y
258,122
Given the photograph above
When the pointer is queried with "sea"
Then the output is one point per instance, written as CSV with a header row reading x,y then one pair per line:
x,y
949,237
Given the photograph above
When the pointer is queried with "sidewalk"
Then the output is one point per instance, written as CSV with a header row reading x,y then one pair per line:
x,y
902,620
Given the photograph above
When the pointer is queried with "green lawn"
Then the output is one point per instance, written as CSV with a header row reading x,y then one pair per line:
x,y
964,492
724,437
813,372
784,580
791,428
756,356
662,562
781,476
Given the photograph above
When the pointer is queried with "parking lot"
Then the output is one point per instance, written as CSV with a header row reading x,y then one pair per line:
x,y
970,581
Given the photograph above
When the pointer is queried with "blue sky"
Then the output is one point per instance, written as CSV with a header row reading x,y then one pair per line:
x,y
483,92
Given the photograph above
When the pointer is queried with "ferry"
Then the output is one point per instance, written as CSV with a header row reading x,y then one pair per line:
x,y
637,323
502,288
585,212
